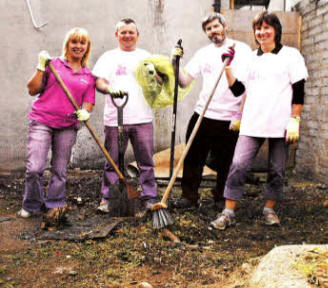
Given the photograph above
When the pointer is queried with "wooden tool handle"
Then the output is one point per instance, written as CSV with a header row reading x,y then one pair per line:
x,y
192,136
92,132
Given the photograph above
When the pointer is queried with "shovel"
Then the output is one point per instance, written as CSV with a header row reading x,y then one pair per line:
x,y
131,191
120,205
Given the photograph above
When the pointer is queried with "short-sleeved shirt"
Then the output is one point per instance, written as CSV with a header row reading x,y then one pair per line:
x,y
207,62
52,107
269,92
118,68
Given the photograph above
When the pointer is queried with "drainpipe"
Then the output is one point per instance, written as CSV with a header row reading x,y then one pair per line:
x,y
217,5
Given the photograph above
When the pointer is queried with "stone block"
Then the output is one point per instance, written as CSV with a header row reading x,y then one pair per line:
x,y
321,37
322,8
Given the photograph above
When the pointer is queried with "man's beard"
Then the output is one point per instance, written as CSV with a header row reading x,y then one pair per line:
x,y
218,40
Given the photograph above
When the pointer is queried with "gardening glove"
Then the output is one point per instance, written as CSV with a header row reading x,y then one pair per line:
x,y
235,122
150,69
116,93
229,54
82,115
176,51
293,129
44,58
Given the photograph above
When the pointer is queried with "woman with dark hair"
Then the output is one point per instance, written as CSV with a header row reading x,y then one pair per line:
x,y
54,122
275,97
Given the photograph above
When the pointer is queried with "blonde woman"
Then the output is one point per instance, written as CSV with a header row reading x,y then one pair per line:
x,y
53,122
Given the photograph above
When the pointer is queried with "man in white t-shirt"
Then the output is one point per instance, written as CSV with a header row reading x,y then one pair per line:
x,y
115,76
216,132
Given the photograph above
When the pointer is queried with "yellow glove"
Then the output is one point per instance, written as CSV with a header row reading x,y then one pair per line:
x,y
177,51
82,115
44,58
293,130
235,122
116,93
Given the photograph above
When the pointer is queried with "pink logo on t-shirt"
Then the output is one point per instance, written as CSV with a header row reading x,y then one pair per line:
x,y
207,68
121,70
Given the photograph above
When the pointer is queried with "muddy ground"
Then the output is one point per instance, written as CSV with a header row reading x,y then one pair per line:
x,y
134,252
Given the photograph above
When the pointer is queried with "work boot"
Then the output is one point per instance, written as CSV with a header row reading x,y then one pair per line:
x,y
103,207
185,203
22,213
224,220
270,217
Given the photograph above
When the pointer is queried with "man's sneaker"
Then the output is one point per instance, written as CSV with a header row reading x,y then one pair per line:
x,y
103,207
184,203
271,218
22,213
224,220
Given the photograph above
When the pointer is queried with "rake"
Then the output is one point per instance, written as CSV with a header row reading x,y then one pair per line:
x,y
161,217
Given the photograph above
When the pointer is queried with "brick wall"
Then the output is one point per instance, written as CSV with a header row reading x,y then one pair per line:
x,y
312,153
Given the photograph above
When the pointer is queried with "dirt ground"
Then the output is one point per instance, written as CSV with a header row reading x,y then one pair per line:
x,y
134,252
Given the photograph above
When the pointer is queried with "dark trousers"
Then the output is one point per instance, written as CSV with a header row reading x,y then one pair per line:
x,y
214,136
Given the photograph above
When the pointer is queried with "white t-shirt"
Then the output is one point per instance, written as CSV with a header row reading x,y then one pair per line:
x,y
269,92
207,62
118,67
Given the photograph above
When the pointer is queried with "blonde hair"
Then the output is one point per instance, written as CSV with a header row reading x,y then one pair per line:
x,y
78,34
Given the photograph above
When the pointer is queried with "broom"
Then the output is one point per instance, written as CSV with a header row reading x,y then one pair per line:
x,y
131,191
161,217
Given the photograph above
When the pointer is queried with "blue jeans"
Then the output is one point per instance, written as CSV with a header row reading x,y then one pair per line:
x,y
40,138
245,152
141,137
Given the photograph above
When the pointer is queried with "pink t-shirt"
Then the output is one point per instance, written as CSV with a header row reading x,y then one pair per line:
x,y
52,107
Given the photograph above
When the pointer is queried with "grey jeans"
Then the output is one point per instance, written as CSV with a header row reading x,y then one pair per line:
x,y
245,152
40,138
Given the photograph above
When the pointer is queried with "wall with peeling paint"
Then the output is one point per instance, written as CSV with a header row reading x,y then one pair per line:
x,y
161,23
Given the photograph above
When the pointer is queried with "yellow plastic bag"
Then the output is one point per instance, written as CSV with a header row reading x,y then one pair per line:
x,y
158,95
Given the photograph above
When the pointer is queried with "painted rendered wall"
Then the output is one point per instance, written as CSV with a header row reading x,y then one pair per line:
x,y
161,24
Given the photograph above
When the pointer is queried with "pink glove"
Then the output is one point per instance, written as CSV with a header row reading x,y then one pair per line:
x,y
229,54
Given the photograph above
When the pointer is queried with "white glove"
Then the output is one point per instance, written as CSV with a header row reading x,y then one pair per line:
x,y
44,58
116,93
82,115
150,68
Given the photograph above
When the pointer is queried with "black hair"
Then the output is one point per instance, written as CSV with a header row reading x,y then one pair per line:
x,y
270,19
